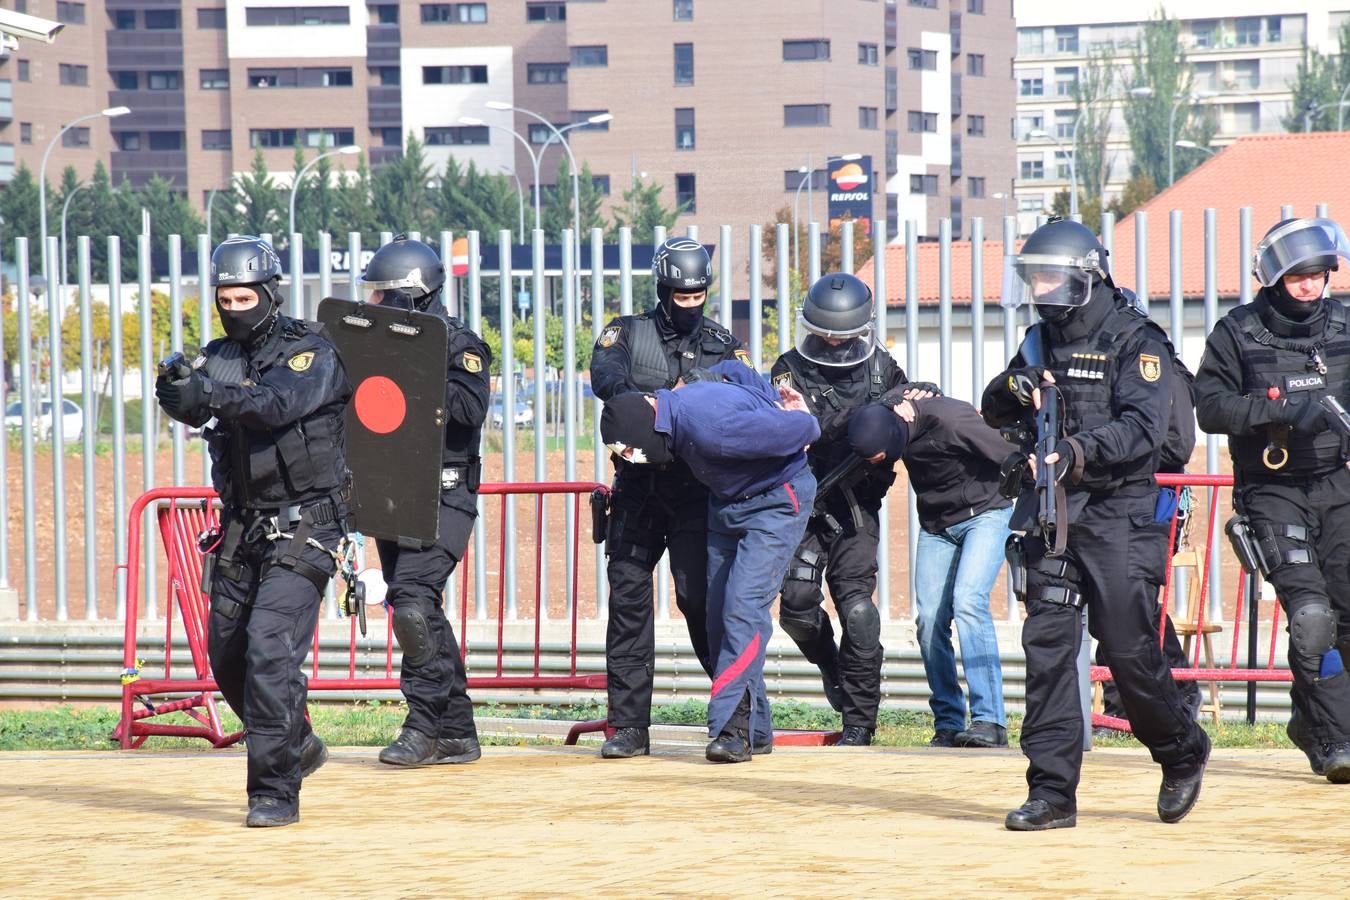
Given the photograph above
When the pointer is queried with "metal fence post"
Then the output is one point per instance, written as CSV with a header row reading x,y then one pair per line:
x,y
884,527
1141,258
911,366
176,429
597,325
976,309
27,399
508,395
945,304
1212,442
755,251
571,299
475,285
205,317
88,428
58,436
119,425
149,433
538,315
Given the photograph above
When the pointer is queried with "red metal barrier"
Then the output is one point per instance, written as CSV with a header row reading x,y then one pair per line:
x,y
181,513
1243,616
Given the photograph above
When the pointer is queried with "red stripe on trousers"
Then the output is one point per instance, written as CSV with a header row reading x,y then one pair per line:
x,y
796,507
736,668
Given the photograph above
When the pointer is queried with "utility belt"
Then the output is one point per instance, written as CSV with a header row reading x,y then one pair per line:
x,y
469,474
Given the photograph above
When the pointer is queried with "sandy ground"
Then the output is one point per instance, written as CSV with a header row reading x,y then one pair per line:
x,y
559,821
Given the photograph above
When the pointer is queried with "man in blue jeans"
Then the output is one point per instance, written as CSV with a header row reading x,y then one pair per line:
x,y
746,442
953,460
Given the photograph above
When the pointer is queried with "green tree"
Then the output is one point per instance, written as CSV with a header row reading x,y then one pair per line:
x,y
1317,88
1138,190
1159,63
19,206
170,213
1091,93
315,199
557,211
352,202
399,193
259,199
467,199
643,211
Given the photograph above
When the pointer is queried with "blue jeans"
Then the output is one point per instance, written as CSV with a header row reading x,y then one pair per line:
x,y
953,575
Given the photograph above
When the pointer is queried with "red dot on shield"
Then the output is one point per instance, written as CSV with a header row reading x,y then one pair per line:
x,y
380,405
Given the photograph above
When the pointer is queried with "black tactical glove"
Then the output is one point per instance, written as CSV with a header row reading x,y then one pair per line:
x,y
1068,458
700,373
915,386
1021,382
182,397
1306,417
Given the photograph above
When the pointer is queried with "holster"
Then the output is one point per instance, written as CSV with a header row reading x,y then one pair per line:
x,y
1010,475
599,515
1015,551
1239,532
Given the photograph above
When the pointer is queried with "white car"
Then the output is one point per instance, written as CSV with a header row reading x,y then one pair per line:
x,y
72,420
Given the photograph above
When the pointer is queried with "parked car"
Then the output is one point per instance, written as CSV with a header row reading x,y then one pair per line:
x,y
524,416
72,420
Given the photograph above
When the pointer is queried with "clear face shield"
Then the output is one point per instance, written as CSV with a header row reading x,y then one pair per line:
x,y
397,292
1297,245
834,348
1046,280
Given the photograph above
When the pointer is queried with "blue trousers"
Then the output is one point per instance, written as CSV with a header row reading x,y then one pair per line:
x,y
750,543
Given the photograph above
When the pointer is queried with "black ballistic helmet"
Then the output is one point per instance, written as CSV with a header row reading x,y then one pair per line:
x,y
409,273
1298,247
248,261
834,326
681,265
1064,250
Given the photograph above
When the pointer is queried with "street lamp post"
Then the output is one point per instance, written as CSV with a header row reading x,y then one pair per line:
x,y
210,198
1317,107
1000,195
520,195
111,112
1340,108
349,150
529,151
1172,125
1073,169
65,210
1192,145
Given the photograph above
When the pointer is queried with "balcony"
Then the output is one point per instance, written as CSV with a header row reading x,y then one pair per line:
x,y
387,54
141,165
381,155
382,36
385,116
384,95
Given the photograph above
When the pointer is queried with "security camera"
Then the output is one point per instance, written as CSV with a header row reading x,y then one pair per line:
x,y
34,28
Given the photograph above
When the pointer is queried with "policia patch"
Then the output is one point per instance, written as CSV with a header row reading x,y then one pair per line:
x,y
609,336
1150,367
301,362
472,362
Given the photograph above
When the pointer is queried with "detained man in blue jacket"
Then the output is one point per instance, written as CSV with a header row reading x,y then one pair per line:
x,y
745,441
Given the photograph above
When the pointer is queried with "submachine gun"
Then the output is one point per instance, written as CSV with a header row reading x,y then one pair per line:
x,y
845,477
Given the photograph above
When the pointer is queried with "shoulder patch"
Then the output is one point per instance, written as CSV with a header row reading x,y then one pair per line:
x,y
744,357
784,380
301,362
1150,367
472,362
609,336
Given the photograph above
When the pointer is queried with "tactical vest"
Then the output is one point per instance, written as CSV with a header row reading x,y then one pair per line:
x,y
651,363
1304,370
272,468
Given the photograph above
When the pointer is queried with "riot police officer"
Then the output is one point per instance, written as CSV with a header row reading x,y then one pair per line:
x,y
439,727
655,508
1108,551
1266,367
838,367
275,392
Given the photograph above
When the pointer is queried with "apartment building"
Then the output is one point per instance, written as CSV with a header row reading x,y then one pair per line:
x,y
1244,56
721,103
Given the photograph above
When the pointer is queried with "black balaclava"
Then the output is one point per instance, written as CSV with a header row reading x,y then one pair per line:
x,y
1293,309
629,419
877,429
683,319
250,326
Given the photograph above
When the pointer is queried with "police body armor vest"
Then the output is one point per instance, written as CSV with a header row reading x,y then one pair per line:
x,y
269,469
652,366
1304,369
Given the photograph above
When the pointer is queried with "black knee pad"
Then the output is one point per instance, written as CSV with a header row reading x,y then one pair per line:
x,y
1312,629
800,626
413,633
862,624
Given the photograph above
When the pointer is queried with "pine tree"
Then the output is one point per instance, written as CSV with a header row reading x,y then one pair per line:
x,y
557,212
1159,63
259,197
642,211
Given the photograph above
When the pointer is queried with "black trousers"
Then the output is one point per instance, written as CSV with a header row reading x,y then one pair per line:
x,y
850,562
1115,561
258,654
1176,659
437,689
651,511
1322,508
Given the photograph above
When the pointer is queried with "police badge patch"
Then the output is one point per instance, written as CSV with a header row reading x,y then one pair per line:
x,y
1150,367
744,357
301,362
472,362
784,380
609,336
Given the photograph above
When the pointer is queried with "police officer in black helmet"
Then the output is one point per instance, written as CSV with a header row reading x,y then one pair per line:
x,y
1266,367
838,368
1115,370
656,508
439,727
274,391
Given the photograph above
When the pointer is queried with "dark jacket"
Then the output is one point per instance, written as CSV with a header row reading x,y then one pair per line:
x,y
953,460
733,435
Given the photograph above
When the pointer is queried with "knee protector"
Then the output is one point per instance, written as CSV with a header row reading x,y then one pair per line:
x,y
413,633
800,625
1312,630
862,624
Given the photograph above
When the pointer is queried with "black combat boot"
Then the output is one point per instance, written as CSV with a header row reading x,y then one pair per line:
x,y
1336,760
732,745
1039,815
312,755
627,743
1177,796
453,751
1298,733
943,737
269,812
411,748
856,736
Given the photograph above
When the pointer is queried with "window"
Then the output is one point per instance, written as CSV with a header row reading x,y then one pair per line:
x,y
387,14
975,188
74,75
1027,124
325,76
1066,39
867,118
1064,119
388,76
923,184
164,81
545,12
298,15
1066,81
389,137
684,63
975,64
308,137
975,7
454,75
920,122
581,115
1248,31
1033,169
1031,87
590,55
216,139
270,78
70,13
126,81
75,137
975,126
213,17
124,20
456,136
918,58
794,51
161,20
806,115
215,79
601,184
539,134
128,140
867,54
454,13
792,179
166,140
1203,30
684,129
685,192
1274,31
1246,75
25,132
546,73
1030,41
926,4
23,70
683,10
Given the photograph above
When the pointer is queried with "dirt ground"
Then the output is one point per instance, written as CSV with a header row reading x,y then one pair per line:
x,y
559,821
